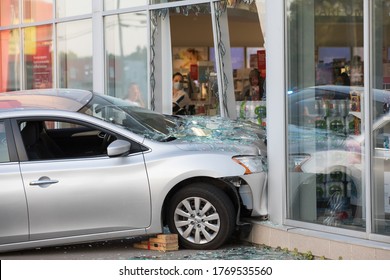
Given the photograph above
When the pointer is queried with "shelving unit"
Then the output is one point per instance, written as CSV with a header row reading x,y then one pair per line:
x,y
241,80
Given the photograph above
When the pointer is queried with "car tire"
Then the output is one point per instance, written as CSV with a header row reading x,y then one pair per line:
x,y
202,215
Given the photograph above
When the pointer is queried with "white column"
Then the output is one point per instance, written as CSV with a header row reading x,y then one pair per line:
x,y
276,117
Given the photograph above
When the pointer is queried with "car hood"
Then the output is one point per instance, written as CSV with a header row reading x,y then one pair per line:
x,y
197,133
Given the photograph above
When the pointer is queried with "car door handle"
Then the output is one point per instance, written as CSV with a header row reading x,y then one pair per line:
x,y
43,181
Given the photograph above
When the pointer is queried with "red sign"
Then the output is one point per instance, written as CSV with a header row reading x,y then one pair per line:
x,y
194,71
261,62
42,70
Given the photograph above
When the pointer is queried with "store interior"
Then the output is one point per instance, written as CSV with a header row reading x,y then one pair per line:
x,y
193,52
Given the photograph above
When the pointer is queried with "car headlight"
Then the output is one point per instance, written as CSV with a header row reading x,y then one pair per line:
x,y
296,161
252,164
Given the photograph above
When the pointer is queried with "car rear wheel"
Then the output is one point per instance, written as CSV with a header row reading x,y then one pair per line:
x,y
202,215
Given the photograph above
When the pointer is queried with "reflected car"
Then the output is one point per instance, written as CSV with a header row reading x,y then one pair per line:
x,y
325,146
337,175
329,101
77,166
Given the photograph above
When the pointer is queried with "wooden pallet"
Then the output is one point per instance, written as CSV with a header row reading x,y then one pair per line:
x,y
162,242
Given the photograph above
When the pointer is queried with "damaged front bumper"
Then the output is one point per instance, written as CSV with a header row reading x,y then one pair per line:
x,y
252,193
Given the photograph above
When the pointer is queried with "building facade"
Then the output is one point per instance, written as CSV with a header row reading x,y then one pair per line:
x,y
323,96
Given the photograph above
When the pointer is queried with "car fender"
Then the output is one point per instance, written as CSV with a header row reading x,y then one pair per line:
x,y
166,172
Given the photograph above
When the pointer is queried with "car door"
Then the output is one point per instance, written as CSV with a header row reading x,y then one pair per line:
x,y
72,195
13,207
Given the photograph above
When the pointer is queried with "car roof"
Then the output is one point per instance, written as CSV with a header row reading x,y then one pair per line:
x,y
58,99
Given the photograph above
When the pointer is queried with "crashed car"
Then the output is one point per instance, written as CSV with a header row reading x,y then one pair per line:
x,y
79,167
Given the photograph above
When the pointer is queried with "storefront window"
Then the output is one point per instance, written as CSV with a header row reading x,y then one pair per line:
x,y
119,4
66,8
38,54
37,10
9,60
381,123
191,39
249,77
74,48
126,56
9,12
325,113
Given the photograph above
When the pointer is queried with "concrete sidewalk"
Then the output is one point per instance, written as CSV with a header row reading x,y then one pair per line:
x,y
123,250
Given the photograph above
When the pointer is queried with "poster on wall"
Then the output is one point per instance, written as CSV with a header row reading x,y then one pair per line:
x,y
261,65
41,65
184,57
253,61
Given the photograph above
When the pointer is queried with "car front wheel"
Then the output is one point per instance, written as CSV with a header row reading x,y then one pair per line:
x,y
202,215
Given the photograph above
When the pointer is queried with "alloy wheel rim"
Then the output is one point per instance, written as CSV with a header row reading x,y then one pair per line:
x,y
197,220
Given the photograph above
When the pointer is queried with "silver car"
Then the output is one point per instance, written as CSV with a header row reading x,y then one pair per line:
x,y
76,166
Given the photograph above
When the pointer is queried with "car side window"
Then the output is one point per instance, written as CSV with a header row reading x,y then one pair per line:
x,y
53,139
4,155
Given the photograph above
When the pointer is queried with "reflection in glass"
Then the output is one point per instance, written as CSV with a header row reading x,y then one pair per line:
x,y
74,48
325,113
119,4
4,155
9,60
381,126
37,10
9,12
38,46
66,8
126,57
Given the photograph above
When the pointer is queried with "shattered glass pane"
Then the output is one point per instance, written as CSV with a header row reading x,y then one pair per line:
x,y
217,130
160,127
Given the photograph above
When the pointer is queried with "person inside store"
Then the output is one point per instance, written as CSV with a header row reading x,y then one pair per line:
x,y
255,90
180,99
134,95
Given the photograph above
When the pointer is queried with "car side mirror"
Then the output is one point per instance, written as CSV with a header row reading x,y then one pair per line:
x,y
118,148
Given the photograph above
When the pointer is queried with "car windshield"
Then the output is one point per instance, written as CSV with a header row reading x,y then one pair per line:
x,y
164,128
136,119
